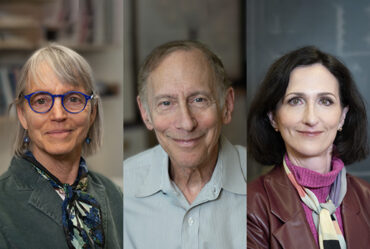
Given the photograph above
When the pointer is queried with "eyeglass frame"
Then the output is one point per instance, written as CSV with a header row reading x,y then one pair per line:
x,y
53,96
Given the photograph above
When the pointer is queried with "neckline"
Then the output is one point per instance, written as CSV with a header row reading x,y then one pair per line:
x,y
312,179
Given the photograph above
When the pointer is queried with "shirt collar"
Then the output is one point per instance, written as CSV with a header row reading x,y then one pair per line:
x,y
157,175
228,172
233,167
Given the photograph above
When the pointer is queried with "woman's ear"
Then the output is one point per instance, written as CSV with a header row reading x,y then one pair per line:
x,y
272,121
21,117
94,109
343,117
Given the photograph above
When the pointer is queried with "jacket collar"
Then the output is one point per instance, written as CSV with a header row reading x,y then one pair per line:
x,y
285,205
43,196
228,173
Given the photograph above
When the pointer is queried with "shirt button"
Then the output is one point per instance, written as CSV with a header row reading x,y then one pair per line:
x,y
214,190
190,221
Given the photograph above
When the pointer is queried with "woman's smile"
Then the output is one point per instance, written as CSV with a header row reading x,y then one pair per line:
x,y
310,114
310,133
59,133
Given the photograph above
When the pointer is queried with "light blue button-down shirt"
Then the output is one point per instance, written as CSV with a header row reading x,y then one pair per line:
x,y
158,216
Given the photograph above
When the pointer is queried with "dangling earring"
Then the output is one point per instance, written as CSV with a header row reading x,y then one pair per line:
x,y
88,140
26,138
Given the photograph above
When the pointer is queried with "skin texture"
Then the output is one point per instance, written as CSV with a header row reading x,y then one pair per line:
x,y
309,116
186,117
56,136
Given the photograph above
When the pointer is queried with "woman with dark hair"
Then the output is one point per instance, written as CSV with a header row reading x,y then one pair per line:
x,y
309,120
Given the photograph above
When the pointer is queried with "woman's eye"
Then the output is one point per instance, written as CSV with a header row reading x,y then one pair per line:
x,y
326,101
295,101
74,98
41,101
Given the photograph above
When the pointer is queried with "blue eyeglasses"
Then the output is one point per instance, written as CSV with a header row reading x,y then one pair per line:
x,y
73,101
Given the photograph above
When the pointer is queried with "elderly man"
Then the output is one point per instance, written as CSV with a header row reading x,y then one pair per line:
x,y
189,191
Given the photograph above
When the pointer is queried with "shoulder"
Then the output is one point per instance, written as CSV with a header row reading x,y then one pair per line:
x,y
140,169
19,175
265,189
259,185
143,158
361,187
258,211
140,164
100,179
233,155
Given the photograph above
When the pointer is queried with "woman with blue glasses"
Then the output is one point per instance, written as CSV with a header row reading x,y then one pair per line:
x,y
48,198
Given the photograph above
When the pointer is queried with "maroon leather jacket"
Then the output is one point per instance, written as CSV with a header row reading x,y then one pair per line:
x,y
276,218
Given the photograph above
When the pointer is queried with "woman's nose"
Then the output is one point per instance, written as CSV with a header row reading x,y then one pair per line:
x,y
185,119
57,111
310,115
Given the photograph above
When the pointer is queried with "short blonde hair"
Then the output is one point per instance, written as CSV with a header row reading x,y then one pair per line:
x,y
70,68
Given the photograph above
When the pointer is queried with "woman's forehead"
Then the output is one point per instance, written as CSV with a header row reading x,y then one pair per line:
x,y
44,77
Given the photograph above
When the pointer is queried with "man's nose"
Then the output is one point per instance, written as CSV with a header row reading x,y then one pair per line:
x,y
310,117
57,111
185,119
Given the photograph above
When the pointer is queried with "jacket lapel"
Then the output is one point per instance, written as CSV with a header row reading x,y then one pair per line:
x,y
97,191
42,195
353,223
286,206
45,199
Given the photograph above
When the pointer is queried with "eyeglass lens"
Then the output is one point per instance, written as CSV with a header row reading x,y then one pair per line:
x,y
72,102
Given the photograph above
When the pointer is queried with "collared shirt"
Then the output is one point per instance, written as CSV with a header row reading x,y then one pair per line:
x,y
158,216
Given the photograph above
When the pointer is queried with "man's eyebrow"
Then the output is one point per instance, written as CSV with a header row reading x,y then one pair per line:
x,y
164,96
208,94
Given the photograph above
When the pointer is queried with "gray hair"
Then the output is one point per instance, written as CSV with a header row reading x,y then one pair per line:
x,y
70,68
153,60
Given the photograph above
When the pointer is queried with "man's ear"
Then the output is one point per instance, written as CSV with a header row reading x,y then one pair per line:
x,y
145,115
272,121
21,117
228,106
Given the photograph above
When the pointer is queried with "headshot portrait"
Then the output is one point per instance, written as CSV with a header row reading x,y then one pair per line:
x,y
307,126
61,98
175,190
184,117
48,188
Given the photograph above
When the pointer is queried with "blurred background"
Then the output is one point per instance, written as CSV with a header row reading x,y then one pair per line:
x,y
341,28
220,24
94,29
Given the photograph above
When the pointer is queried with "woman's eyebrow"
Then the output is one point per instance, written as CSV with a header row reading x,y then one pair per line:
x,y
302,94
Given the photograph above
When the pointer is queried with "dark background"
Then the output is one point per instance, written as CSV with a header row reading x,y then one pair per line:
x,y
341,28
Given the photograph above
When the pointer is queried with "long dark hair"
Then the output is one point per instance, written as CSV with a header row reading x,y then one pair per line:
x,y
267,146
